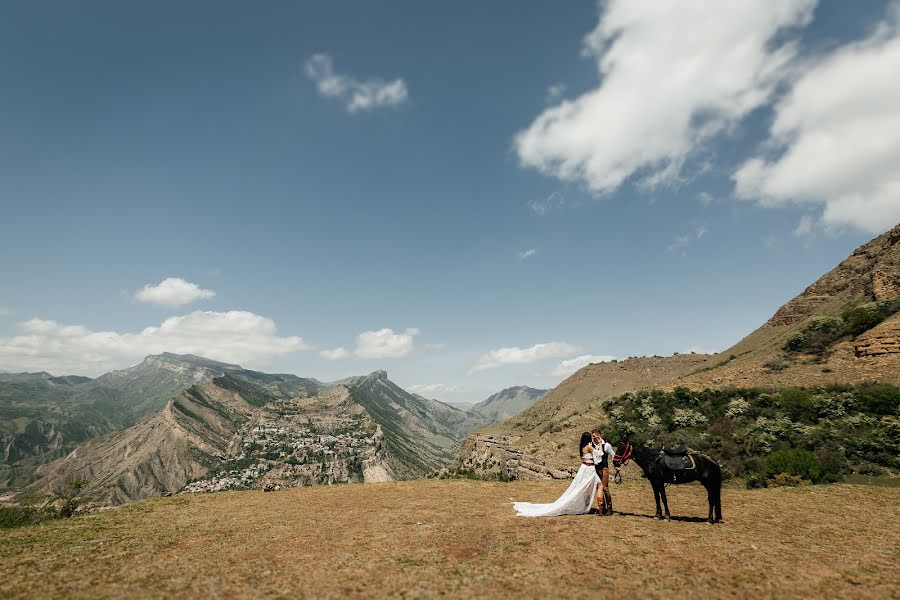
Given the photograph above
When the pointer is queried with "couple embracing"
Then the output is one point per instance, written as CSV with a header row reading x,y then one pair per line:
x,y
591,480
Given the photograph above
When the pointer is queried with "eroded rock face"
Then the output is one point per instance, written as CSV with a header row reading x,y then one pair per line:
x,y
496,457
885,285
871,272
880,341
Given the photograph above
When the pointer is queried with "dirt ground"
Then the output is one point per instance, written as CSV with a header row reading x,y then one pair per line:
x,y
461,539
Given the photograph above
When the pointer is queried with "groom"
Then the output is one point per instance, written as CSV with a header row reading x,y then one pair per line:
x,y
603,453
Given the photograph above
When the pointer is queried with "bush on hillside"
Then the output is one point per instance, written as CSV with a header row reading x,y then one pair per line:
x,y
797,403
820,334
845,428
31,510
794,461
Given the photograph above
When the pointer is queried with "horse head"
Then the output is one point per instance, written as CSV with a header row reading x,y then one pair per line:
x,y
624,453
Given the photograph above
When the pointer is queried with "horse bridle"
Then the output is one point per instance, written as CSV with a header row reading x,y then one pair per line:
x,y
620,460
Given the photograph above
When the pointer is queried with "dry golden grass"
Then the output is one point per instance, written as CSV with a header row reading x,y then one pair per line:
x,y
460,538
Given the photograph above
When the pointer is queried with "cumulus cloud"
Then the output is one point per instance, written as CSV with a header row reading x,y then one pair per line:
x,y
235,336
173,291
335,353
6,312
526,253
429,390
673,75
838,130
384,343
569,366
515,355
356,95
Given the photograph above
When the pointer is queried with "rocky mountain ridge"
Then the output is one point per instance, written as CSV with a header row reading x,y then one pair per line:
x,y
237,429
508,403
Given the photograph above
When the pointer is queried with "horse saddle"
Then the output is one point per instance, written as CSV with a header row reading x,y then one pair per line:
x,y
680,450
677,459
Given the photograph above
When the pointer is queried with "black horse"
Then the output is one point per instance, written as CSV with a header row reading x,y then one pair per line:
x,y
674,466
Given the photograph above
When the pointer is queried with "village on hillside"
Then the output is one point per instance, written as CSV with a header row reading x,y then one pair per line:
x,y
290,446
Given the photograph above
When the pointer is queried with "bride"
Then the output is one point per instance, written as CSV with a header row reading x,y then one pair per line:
x,y
578,498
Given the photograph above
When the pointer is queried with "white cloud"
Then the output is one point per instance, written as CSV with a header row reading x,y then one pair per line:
x,y
552,202
526,253
358,95
6,312
555,92
567,367
701,350
515,355
335,353
680,242
235,336
173,291
674,74
839,128
683,241
384,343
429,390
804,227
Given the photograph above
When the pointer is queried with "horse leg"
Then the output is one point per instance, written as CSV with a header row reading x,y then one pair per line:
x,y
719,505
656,497
711,498
665,500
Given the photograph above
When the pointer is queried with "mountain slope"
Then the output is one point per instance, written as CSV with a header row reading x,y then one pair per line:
x,y
868,277
508,403
421,434
538,441
163,453
43,417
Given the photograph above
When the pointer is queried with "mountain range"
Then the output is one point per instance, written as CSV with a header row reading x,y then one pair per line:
x,y
179,420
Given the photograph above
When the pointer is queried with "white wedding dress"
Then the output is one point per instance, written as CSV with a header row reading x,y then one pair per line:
x,y
576,500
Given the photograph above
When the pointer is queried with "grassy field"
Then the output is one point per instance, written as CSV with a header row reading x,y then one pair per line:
x,y
460,539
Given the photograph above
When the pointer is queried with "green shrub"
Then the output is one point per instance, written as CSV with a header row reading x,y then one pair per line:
x,y
819,335
754,481
794,461
787,480
797,403
879,399
859,319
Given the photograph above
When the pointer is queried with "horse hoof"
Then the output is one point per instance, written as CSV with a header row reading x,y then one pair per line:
x,y
668,519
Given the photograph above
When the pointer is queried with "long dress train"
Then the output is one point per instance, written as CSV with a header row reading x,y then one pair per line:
x,y
576,500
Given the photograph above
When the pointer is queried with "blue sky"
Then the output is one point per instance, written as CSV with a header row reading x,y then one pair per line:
x,y
465,194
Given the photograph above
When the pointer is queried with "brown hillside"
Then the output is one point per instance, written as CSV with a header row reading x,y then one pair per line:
x,y
870,274
160,454
537,443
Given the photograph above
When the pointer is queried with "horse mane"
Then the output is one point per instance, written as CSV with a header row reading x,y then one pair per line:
x,y
642,451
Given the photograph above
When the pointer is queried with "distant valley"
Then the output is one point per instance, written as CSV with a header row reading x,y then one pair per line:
x,y
187,423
